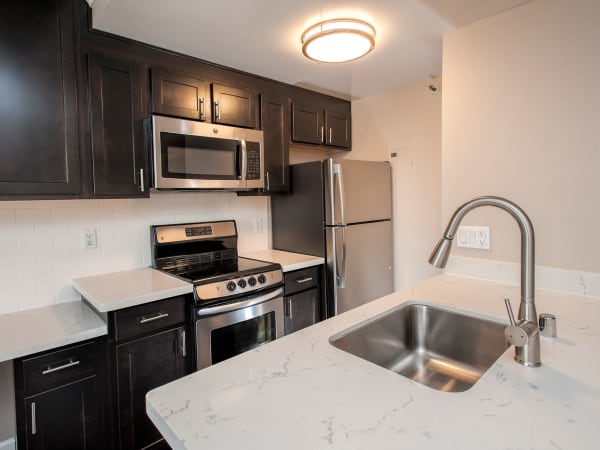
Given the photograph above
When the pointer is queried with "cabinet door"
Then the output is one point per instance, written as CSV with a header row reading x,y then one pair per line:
x,y
38,111
235,106
307,123
63,418
337,128
273,118
302,310
143,365
119,159
180,95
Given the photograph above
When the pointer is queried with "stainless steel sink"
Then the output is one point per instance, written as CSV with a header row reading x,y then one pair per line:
x,y
442,349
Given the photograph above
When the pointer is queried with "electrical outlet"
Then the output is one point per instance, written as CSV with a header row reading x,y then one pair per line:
x,y
473,237
89,239
258,224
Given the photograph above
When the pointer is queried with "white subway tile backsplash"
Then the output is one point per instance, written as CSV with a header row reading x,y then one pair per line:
x,y
41,246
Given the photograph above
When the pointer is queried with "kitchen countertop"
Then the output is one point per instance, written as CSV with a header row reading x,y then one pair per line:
x,y
300,392
288,261
25,332
117,290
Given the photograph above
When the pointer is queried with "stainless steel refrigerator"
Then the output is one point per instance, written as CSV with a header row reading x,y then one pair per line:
x,y
342,210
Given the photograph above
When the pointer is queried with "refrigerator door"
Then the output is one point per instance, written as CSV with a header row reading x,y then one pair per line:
x,y
357,191
359,264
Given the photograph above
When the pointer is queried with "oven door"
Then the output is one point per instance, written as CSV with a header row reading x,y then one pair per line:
x,y
224,331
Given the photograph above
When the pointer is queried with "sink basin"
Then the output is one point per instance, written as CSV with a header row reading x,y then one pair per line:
x,y
439,348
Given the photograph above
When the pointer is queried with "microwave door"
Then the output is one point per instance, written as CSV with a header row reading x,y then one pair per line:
x,y
196,155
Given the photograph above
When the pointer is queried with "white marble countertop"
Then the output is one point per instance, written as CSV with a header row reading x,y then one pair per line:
x,y
35,330
117,290
288,261
300,392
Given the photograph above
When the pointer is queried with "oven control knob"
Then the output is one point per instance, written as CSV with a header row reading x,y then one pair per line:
x,y
262,279
252,281
231,286
242,283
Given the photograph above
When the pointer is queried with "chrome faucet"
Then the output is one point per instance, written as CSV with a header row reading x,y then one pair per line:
x,y
524,333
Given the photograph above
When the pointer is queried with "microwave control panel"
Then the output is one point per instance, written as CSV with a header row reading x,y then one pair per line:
x,y
253,152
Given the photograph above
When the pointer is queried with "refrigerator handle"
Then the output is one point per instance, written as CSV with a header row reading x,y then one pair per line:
x,y
337,170
342,279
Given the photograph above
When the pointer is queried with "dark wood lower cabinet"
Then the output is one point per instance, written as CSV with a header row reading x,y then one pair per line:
x,y
302,310
59,398
63,418
142,365
302,298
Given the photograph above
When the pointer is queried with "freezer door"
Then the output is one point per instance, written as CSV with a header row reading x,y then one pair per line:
x,y
357,191
359,264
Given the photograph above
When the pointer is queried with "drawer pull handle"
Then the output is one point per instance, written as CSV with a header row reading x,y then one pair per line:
x,y
303,280
152,318
50,369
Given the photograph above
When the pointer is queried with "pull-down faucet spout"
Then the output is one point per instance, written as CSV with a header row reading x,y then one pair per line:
x,y
527,347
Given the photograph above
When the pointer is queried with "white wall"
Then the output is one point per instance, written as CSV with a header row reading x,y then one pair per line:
x,y
406,121
521,119
41,244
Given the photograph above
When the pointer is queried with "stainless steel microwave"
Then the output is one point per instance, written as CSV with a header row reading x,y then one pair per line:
x,y
194,155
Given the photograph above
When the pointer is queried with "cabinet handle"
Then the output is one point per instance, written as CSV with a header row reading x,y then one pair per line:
x,y
71,363
183,344
142,187
268,183
289,308
303,280
33,421
330,135
322,131
202,114
158,316
217,110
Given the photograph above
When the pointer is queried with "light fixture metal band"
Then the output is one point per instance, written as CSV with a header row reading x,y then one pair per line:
x,y
369,36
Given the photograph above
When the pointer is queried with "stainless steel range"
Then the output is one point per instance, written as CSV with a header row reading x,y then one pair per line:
x,y
237,303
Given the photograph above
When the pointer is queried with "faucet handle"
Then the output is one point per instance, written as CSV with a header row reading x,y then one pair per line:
x,y
515,334
511,316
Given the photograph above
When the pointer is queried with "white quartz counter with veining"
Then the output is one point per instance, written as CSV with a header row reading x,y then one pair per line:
x,y
117,290
25,332
302,393
289,261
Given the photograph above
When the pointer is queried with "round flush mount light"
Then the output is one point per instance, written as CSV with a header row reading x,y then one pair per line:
x,y
338,40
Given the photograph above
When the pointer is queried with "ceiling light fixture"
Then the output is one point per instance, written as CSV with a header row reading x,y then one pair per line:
x,y
338,40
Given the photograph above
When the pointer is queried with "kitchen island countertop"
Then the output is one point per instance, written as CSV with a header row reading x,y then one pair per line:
x,y
300,392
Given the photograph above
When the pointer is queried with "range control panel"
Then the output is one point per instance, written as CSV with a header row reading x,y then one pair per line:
x,y
238,285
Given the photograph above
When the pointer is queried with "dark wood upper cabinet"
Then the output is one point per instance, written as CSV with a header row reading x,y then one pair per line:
x,y
321,122
235,106
337,128
180,95
38,101
274,118
307,123
116,90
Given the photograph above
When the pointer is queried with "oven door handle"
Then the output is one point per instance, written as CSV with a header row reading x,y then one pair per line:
x,y
209,311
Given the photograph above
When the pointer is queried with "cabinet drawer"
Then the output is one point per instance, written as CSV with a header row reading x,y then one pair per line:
x,y
49,370
301,280
147,318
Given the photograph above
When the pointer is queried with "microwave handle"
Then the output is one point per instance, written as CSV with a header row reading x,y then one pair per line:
x,y
244,171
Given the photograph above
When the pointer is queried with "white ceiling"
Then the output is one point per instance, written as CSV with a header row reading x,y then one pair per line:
x,y
263,36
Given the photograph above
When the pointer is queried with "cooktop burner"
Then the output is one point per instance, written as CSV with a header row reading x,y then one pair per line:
x,y
223,269
205,254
